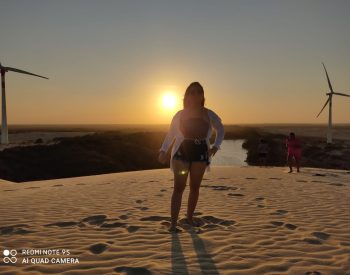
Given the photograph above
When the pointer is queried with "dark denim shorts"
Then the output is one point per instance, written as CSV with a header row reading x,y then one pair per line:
x,y
193,150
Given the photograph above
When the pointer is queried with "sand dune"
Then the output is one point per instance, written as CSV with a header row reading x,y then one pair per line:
x,y
252,221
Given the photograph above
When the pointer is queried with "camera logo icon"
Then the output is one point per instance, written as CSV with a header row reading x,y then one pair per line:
x,y
10,256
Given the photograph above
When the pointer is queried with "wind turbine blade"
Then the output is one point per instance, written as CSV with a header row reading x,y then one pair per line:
x,y
329,82
342,94
22,72
324,106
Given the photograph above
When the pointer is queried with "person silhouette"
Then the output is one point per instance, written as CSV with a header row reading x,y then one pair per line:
x,y
263,150
191,153
293,152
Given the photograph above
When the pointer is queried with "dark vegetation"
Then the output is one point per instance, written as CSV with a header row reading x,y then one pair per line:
x,y
315,151
81,156
117,151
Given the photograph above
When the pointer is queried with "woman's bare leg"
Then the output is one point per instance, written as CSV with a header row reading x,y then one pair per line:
x,y
290,163
180,177
297,162
197,170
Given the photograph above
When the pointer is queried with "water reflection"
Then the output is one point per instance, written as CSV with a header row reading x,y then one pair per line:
x,y
231,153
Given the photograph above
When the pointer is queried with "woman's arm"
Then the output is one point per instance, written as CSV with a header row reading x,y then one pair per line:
x,y
219,129
171,133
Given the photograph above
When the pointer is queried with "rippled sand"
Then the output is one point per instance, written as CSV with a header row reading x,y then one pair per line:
x,y
252,221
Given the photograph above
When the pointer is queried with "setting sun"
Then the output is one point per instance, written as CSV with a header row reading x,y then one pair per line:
x,y
169,101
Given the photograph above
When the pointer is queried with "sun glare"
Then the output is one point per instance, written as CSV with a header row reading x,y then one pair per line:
x,y
169,101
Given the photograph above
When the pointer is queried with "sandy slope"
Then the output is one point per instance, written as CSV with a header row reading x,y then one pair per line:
x,y
254,221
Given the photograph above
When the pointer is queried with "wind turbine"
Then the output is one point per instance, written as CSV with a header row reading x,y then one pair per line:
x,y
4,129
329,100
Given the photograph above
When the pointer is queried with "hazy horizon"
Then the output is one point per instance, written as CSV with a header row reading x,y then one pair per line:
x,y
111,62
167,124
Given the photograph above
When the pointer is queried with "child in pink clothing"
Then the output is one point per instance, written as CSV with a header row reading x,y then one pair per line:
x,y
293,151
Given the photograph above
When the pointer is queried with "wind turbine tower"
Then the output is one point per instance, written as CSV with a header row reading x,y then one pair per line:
x,y
4,129
329,101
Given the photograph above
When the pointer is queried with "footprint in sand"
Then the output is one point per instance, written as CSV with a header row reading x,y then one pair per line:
x,y
227,223
113,225
105,183
32,187
133,228
139,201
155,218
319,175
57,185
61,224
95,220
133,270
81,184
98,248
10,190
202,224
162,190
275,178
312,273
211,223
14,229
235,195
159,195
223,178
290,226
337,184
279,212
321,235
211,226
250,178
301,180
185,225
220,187
318,181
142,208
123,217
212,219
260,200
312,241
277,223
101,220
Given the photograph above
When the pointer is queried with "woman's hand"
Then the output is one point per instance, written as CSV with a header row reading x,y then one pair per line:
x,y
162,157
212,151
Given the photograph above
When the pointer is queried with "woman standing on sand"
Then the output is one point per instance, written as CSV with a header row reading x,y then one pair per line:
x,y
293,152
191,153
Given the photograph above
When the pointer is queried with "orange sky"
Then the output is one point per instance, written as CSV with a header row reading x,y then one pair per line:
x,y
259,61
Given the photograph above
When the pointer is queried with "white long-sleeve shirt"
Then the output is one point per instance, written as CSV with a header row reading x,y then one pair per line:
x,y
175,132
